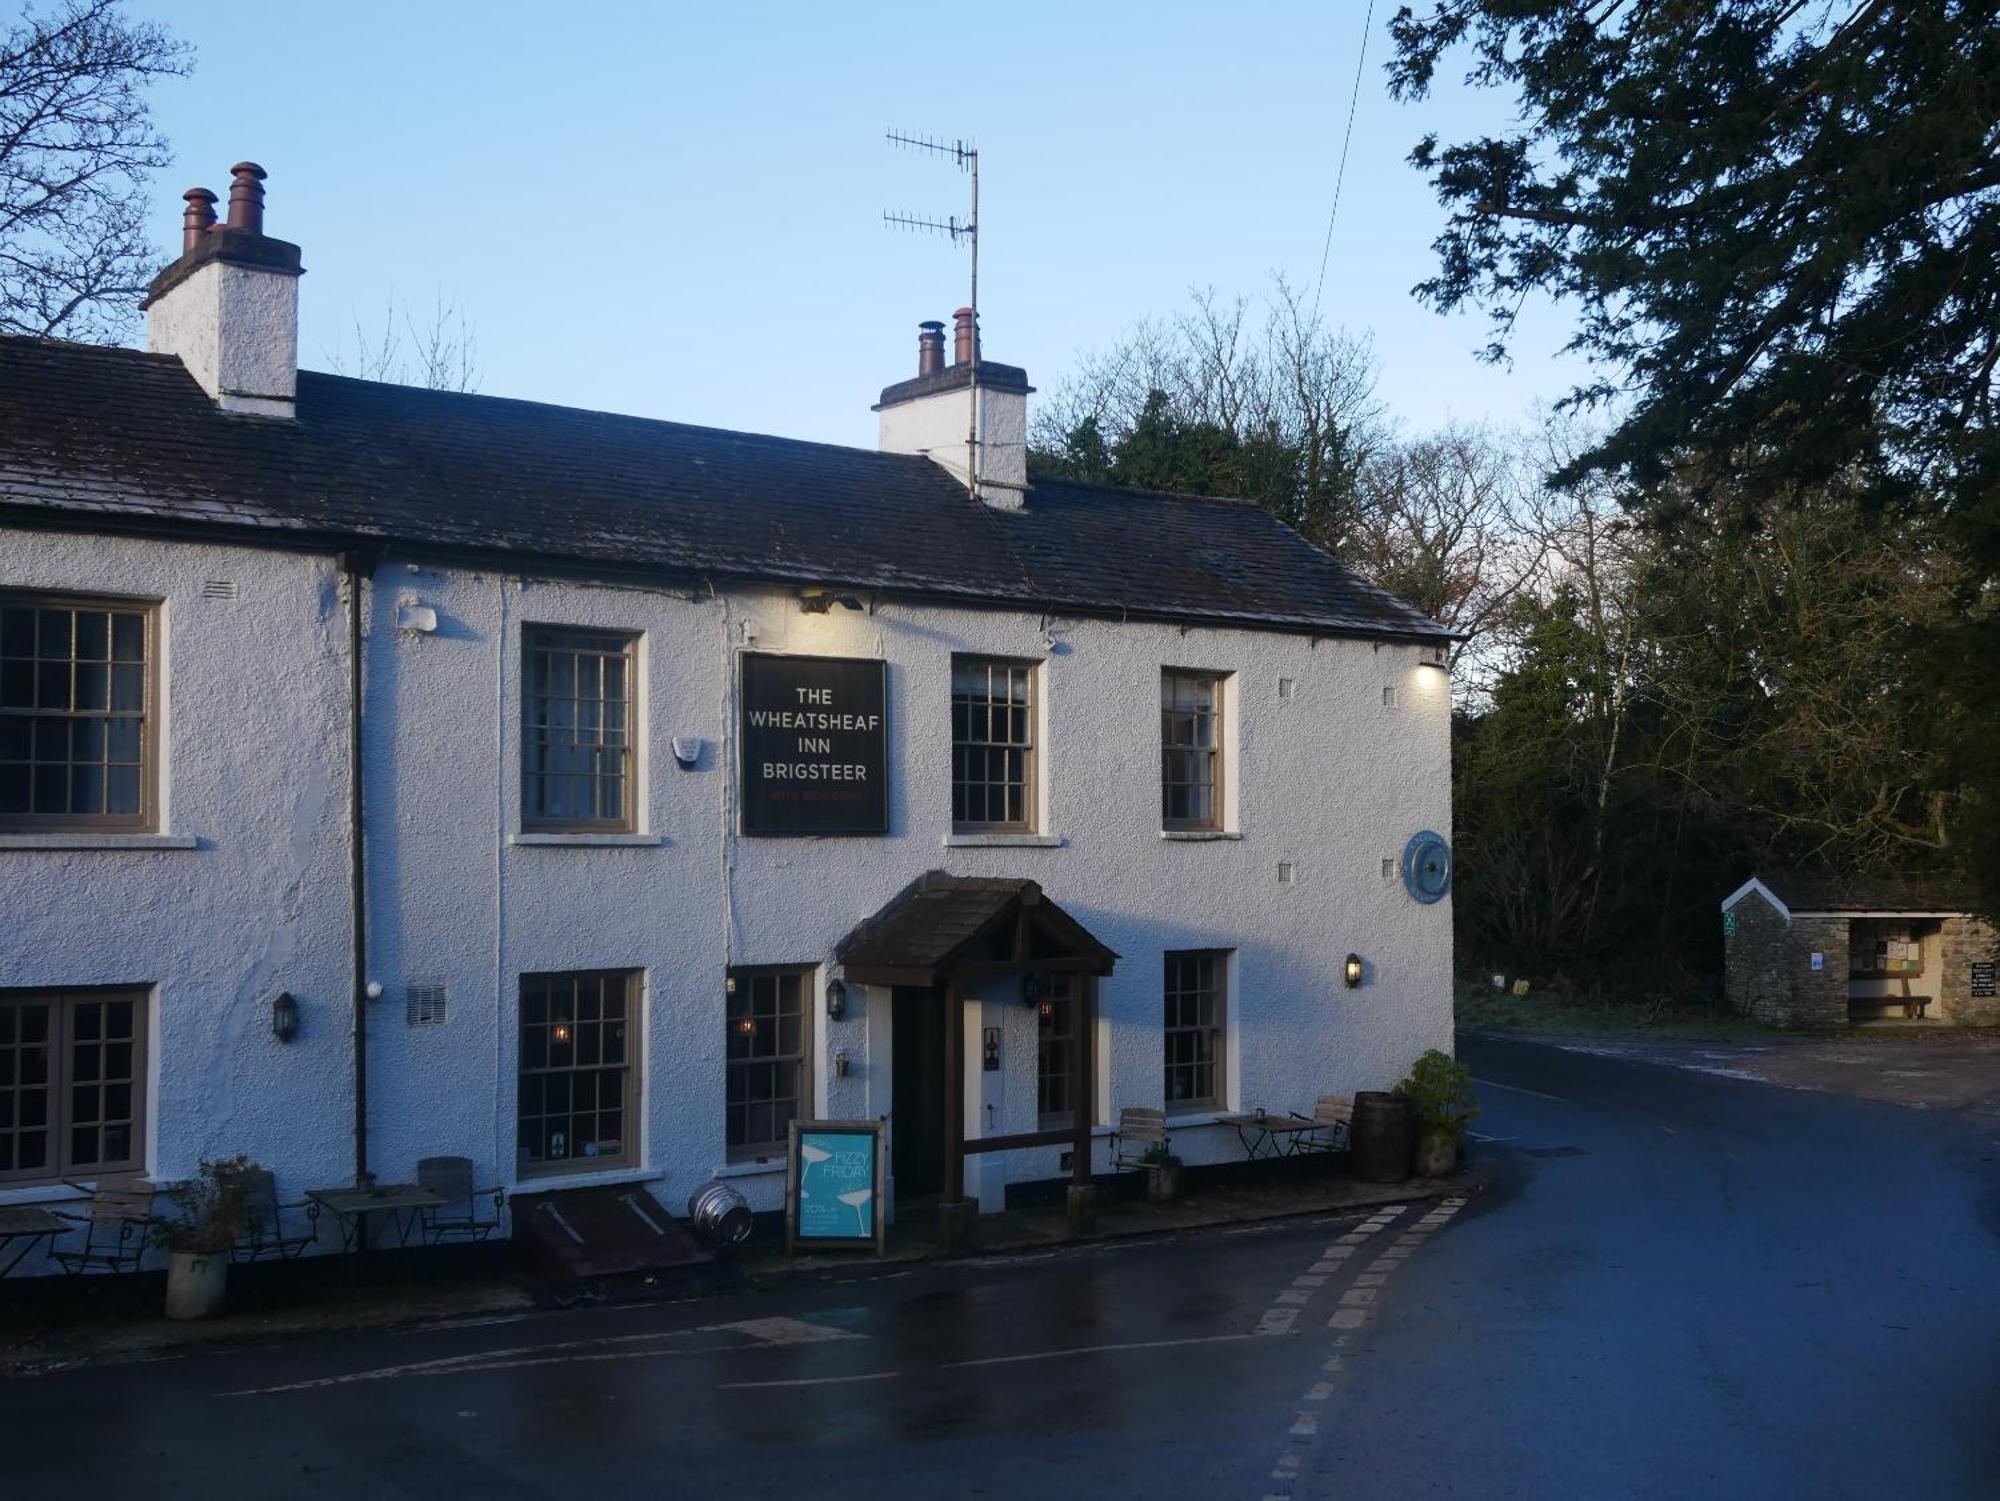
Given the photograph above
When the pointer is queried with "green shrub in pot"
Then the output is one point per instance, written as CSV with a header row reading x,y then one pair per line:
x,y
1438,1089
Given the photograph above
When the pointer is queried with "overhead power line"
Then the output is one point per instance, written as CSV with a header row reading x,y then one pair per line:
x,y
1340,177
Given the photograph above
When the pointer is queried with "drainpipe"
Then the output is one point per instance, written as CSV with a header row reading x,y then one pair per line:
x,y
357,567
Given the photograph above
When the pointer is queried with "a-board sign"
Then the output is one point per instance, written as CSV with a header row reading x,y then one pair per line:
x,y
1982,976
815,746
833,1185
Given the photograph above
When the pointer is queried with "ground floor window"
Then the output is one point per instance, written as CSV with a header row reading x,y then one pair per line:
x,y
72,1084
769,1047
1195,984
579,1081
1055,1051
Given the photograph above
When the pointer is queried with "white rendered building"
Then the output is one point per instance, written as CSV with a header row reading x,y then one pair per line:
x,y
706,781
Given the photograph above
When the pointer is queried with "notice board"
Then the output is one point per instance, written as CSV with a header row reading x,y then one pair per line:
x,y
815,745
833,1186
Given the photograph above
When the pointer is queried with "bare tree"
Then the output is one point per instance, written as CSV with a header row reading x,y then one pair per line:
x,y
442,354
1268,404
76,146
1450,522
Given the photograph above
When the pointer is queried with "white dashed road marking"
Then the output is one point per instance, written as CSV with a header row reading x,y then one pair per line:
x,y
1357,1303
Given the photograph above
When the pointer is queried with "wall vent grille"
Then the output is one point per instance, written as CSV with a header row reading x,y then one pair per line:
x,y
1288,688
219,589
1288,873
1392,697
423,1005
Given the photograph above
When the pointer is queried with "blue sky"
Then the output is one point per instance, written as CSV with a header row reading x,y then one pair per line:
x,y
674,210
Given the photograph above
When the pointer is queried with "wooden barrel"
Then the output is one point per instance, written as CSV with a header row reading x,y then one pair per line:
x,y
1380,1136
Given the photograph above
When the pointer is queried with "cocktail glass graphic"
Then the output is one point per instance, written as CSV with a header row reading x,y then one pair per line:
x,y
857,1197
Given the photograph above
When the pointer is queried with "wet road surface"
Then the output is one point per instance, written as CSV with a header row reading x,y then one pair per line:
x,y
1680,1285
1698,1286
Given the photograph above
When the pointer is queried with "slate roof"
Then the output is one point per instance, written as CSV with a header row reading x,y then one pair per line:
x,y
121,438
929,924
1819,891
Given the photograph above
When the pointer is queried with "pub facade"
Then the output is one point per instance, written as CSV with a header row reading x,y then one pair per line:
x,y
388,774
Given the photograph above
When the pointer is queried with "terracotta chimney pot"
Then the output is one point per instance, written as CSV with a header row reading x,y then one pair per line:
x,y
246,197
964,336
198,218
930,347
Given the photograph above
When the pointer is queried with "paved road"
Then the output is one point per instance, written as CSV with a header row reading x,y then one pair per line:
x,y
1735,1290
1728,1288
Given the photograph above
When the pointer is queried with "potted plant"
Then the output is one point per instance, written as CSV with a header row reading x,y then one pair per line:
x,y
211,1213
1163,1174
1439,1091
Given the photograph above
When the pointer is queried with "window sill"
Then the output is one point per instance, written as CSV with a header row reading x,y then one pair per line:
x,y
587,841
1209,1117
41,1193
541,1183
1198,836
750,1169
1004,841
97,841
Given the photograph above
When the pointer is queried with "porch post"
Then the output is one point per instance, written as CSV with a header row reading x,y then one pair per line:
x,y
954,1094
1083,1085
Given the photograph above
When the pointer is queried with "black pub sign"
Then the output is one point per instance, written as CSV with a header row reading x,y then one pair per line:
x,y
815,750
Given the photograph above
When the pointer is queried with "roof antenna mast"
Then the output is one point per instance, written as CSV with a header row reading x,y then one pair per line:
x,y
967,160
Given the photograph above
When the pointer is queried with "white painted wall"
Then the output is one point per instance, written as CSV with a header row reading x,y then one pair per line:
x,y
1328,779
244,893
236,328
937,427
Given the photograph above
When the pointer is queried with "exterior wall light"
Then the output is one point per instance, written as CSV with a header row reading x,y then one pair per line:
x,y
836,998
284,1017
1352,972
1031,989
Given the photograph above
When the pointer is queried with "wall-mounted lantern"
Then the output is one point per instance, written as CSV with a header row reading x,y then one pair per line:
x,y
836,999
1352,973
991,1057
284,1017
1031,989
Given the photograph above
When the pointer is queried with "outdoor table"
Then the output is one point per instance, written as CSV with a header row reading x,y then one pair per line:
x,y
26,1224
1271,1133
402,1203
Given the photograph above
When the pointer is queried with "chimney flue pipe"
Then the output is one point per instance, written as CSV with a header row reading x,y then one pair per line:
x,y
930,347
246,197
964,336
198,218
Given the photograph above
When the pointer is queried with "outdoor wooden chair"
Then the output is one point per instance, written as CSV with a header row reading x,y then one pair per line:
x,y
458,1218
117,1229
1142,1129
264,1234
1334,1115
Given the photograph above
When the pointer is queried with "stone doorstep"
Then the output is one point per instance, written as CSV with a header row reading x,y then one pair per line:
x,y
377,1310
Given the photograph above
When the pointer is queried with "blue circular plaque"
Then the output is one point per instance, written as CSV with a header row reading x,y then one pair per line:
x,y
1427,866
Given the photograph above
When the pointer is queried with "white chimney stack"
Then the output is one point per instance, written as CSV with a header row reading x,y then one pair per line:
x,y
933,414
229,307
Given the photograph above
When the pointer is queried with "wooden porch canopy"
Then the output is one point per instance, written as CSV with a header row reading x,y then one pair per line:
x,y
945,932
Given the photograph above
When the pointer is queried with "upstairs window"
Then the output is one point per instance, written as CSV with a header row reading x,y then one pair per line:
x,y
992,746
77,715
1190,750
576,741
